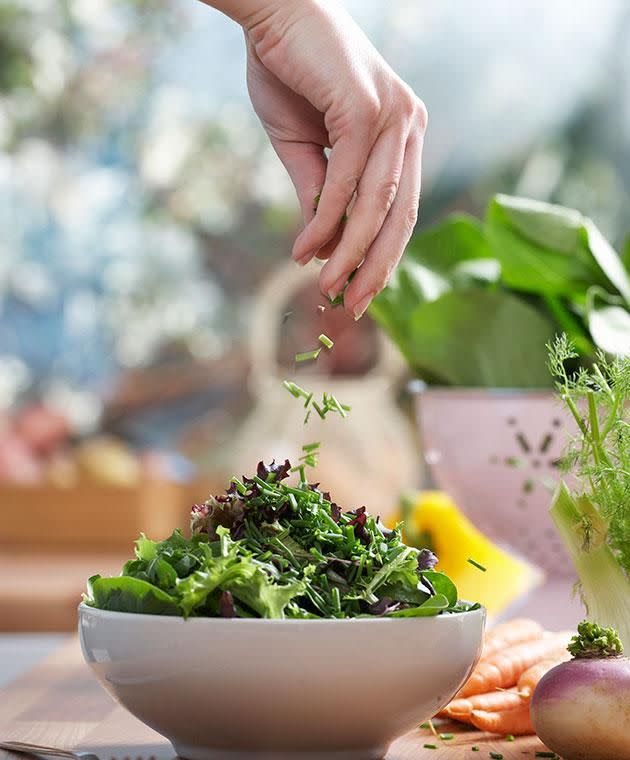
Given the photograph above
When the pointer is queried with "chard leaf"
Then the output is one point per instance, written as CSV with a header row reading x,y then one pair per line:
x,y
127,594
540,247
481,338
609,322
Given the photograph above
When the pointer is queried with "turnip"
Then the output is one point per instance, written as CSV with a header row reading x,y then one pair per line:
x,y
581,708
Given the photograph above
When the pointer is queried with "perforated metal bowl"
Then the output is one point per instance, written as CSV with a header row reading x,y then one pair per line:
x,y
496,452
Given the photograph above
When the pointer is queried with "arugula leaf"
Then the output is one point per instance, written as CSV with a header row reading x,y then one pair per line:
x,y
127,594
442,584
433,606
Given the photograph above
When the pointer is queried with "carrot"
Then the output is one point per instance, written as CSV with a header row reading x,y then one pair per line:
x,y
530,678
510,633
503,669
494,701
516,722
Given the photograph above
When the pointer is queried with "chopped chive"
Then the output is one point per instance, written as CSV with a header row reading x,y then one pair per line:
x,y
336,598
291,387
496,756
475,748
308,399
326,341
510,738
319,410
477,565
307,356
310,447
545,754
447,737
240,487
430,746
422,725
307,415
336,405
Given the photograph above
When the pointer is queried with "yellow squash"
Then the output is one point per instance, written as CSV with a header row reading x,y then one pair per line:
x,y
433,520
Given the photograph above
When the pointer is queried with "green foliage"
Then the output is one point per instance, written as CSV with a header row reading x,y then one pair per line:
x,y
271,550
473,303
592,640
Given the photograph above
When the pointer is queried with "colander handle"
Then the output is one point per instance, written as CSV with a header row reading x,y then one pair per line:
x,y
269,306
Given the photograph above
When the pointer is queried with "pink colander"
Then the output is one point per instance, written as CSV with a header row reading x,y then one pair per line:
x,y
496,452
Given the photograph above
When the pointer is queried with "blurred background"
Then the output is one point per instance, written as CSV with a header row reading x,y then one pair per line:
x,y
145,231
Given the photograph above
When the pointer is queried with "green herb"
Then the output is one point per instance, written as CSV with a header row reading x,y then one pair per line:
x,y
466,286
477,565
430,746
329,403
424,725
475,748
594,641
510,738
496,755
447,737
326,341
307,356
594,523
272,548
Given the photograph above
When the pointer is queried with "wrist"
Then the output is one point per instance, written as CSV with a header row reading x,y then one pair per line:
x,y
254,13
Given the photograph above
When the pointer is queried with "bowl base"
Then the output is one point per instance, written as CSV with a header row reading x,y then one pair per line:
x,y
208,753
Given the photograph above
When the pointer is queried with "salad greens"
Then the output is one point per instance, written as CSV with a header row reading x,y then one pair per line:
x,y
473,303
594,520
270,549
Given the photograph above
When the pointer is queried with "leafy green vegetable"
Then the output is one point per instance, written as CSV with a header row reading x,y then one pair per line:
x,y
594,523
270,549
472,303
593,640
126,594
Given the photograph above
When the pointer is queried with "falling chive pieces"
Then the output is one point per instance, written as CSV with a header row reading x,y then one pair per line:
x,y
326,341
430,746
475,748
496,756
477,565
447,737
424,725
307,356
510,738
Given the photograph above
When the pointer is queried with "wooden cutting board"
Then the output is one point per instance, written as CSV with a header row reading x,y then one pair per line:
x,y
61,704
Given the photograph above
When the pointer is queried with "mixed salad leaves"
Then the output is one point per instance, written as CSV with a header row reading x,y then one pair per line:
x,y
271,549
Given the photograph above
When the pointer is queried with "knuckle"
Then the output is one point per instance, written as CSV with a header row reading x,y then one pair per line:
x,y
410,218
370,107
421,115
386,193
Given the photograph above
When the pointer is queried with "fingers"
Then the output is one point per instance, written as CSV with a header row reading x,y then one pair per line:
x,y
375,195
345,166
393,237
306,164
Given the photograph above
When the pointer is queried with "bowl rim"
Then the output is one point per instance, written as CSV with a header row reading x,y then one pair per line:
x,y
179,620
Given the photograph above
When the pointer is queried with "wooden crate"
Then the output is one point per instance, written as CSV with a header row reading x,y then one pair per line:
x,y
94,515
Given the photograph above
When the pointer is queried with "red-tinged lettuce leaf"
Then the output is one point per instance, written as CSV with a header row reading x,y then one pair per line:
x,y
127,594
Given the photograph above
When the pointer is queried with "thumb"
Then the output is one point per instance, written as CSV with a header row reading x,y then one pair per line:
x,y
306,164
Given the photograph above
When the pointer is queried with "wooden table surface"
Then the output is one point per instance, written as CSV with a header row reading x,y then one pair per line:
x,y
61,704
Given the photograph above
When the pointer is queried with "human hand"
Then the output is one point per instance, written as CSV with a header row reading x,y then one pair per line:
x,y
316,82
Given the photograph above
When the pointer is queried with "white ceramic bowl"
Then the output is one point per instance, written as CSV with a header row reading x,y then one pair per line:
x,y
281,689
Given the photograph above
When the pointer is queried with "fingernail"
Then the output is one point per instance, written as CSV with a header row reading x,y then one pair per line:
x,y
361,306
334,291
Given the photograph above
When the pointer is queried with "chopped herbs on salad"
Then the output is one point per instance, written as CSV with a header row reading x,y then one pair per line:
x,y
267,548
